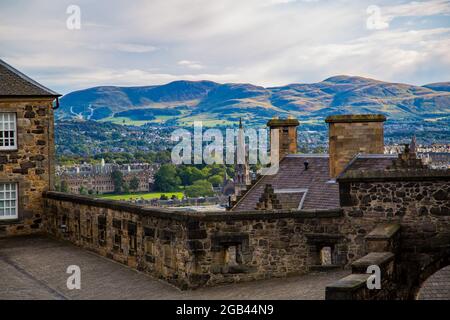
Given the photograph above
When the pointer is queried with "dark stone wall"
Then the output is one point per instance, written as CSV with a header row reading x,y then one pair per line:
x,y
192,250
421,204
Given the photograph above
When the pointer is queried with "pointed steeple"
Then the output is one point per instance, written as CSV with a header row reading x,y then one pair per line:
x,y
240,122
413,145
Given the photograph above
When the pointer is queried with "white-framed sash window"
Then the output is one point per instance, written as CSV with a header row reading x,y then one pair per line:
x,y
8,200
8,131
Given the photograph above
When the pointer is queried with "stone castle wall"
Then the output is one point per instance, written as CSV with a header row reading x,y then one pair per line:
x,y
419,201
31,165
192,250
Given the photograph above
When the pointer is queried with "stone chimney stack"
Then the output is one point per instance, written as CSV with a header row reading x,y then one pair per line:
x,y
353,134
287,134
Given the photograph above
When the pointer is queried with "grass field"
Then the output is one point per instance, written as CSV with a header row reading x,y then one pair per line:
x,y
140,195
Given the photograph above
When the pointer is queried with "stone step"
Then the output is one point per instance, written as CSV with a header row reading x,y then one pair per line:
x,y
383,238
380,259
349,288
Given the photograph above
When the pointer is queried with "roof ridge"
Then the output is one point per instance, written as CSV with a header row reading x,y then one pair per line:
x,y
28,79
308,155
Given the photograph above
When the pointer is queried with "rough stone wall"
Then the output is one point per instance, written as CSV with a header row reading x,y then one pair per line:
x,y
192,250
31,165
421,204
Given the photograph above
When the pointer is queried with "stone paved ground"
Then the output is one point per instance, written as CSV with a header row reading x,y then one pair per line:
x,y
437,287
35,268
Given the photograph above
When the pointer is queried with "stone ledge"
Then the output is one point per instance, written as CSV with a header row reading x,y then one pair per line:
x,y
283,122
325,268
395,175
383,231
380,259
349,118
190,216
350,283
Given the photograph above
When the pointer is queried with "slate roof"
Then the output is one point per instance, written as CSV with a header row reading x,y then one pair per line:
x,y
14,83
321,193
290,200
369,162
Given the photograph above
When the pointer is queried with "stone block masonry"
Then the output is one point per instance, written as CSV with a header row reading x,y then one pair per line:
x,y
31,165
191,250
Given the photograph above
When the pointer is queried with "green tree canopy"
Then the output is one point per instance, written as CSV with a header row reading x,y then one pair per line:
x,y
200,188
134,183
216,180
117,177
166,178
64,186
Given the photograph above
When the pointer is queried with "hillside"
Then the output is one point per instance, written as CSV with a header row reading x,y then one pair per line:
x,y
181,102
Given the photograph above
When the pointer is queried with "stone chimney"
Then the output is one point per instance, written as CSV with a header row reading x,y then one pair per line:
x,y
287,134
353,134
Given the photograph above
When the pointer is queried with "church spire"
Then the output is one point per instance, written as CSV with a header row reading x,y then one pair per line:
x,y
413,145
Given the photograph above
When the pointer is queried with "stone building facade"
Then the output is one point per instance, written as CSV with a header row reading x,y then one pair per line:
x,y
98,179
26,150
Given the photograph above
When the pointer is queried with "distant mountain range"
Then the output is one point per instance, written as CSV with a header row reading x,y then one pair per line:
x,y
181,102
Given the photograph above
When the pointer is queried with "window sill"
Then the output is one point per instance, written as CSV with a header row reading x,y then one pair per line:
x,y
10,221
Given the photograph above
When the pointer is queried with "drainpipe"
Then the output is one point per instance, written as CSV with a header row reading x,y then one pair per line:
x,y
56,105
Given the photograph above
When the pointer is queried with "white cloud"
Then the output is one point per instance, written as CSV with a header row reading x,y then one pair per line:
x,y
380,17
190,64
265,42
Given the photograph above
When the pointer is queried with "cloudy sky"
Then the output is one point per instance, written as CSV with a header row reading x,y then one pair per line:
x,y
264,42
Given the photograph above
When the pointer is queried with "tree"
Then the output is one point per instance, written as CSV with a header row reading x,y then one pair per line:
x,y
215,180
197,174
64,186
126,187
134,183
117,177
166,178
82,190
200,188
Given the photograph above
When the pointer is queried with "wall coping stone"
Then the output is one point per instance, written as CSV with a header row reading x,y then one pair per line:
x,y
395,175
384,231
350,283
373,258
189,216
348,118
